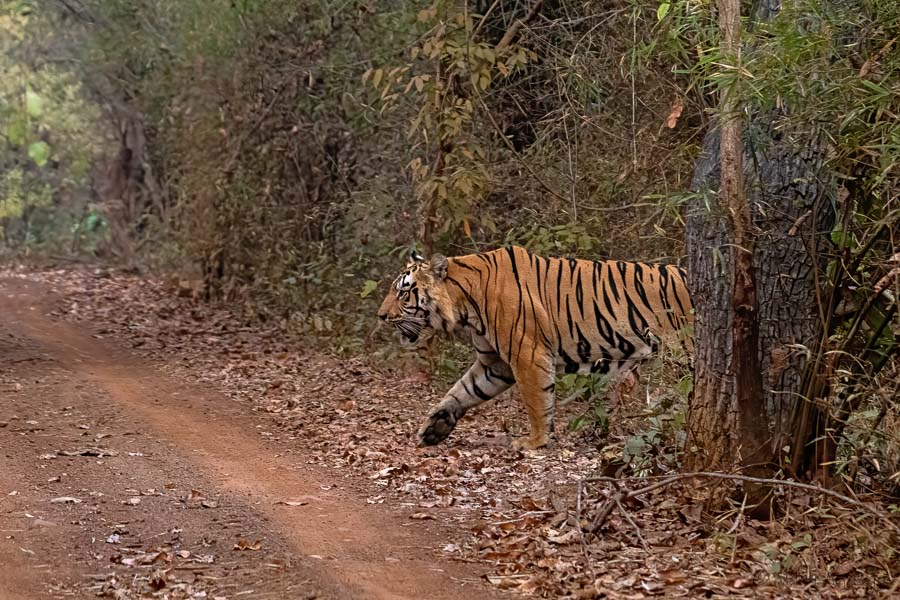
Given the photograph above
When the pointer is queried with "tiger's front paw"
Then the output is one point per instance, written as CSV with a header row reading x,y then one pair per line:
x,y
530,443
436,428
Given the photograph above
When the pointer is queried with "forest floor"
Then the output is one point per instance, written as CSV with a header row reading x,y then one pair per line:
x,y
153,446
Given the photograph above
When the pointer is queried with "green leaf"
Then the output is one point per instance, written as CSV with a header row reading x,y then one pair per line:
x,y
39,152
368,287
634,446
803,542
34,104
17,130
92,220
684,386
662,11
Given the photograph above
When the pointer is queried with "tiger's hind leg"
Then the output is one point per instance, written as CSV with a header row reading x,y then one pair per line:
x,y
623,383
486,378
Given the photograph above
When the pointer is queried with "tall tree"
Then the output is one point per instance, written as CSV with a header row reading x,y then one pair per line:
x,y
814,226
727,387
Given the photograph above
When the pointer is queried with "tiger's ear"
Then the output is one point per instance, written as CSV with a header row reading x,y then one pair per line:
x,y
439,266
416,257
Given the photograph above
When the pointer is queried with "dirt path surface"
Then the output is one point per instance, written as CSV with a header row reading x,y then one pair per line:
x,y
118,479
153,445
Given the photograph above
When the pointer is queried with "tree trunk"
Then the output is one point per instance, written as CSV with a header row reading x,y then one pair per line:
x,y
792,197
727,385
746,401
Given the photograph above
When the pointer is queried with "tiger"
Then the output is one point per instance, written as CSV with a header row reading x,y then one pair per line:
x,y
531,318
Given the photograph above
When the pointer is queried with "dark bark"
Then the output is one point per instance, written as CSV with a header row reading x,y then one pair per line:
x,y
131,191
791,195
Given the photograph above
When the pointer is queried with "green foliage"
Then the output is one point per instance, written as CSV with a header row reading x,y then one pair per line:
x,y
19,193
590,389
571,239
368,287
51,135
449,73
39,152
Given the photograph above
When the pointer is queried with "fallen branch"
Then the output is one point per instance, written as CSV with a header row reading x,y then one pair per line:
x,y
634,525
605,512
619,496
515,27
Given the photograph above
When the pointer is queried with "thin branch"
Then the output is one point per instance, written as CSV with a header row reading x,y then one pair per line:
x,y
580,529
637,530
484,18
755,480
540,181
515,27
604,513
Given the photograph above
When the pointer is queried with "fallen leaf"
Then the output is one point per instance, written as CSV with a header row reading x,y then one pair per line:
x,y
159,578
92,451
507,581
42,523
65,500
843,569
677,107
293,502
132,501
387,471
568,537
243,544
672,577
418,377
421,516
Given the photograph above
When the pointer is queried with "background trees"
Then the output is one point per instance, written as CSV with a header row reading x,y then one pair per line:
x,y
284,154
49,144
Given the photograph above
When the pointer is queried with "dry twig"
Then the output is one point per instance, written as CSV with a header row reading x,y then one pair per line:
x,y
734,477
515,27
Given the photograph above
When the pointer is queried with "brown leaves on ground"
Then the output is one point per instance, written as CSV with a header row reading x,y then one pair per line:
x,y
243,544
677,108
521,514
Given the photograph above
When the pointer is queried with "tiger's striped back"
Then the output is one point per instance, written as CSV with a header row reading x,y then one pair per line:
x,y
588,313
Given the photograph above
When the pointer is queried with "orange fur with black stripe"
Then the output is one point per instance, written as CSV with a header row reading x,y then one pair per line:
x,y
531,318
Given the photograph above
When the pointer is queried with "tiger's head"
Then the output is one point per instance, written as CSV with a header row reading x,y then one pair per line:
x,y
416,304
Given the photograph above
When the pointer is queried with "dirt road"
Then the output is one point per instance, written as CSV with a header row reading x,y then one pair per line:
x,y
117,479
